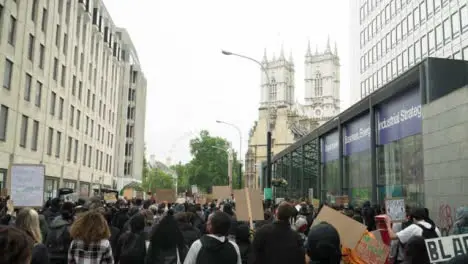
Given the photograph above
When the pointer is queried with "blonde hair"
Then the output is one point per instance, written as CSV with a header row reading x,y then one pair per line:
x,y
27,219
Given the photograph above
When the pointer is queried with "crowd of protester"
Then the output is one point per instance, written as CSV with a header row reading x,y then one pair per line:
x,y
143,231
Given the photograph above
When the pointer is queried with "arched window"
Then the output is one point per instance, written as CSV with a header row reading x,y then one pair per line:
x,y
318,84
273,90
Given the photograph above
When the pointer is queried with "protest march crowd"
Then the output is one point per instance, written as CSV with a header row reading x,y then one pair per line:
x,y
144,231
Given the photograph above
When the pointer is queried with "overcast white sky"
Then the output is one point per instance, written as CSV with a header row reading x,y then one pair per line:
x,y
191,85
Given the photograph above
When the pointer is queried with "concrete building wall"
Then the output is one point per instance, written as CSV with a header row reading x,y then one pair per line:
x,y
445,144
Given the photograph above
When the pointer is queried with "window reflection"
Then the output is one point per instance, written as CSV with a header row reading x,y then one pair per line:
x,y
400,174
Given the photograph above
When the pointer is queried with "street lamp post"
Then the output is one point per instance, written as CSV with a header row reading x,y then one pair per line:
x,y
229,153
268,172
239,131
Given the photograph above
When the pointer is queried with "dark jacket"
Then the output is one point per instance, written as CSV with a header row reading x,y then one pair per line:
x,y
39,254
157,256
190,233
59,240
214,251
277,243
131,248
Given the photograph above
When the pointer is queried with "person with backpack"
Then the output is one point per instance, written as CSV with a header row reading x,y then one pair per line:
x,y
419,227
215,247
58,238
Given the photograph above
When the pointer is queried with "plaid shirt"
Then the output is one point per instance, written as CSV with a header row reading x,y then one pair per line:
x,y
94,253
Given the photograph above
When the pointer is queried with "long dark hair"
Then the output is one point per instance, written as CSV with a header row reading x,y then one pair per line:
x,y
166,234
415,251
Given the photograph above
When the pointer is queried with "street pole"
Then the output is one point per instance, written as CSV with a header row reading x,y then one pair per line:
x,y
230,161
268,136
239,131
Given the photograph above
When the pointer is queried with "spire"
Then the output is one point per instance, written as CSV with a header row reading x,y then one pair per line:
x,y
316,50
328,49
336,49
265,59
281,57
274,57
309,52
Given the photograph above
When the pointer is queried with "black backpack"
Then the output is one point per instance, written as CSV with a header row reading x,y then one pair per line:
x,y
428,232
58,241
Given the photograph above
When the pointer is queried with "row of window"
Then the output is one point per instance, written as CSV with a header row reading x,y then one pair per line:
x,y
443,33
399,64
26,141
53,104
419,15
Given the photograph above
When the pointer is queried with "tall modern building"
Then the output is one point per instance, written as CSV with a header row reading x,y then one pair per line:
x,y
71,87
390,36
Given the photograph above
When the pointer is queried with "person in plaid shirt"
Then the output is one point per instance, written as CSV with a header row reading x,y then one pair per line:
x,y
90,244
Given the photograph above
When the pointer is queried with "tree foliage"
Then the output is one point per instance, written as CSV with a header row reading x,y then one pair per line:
x,y
157,179
209,164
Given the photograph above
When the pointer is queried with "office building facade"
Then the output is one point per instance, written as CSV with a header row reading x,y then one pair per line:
x,y
387,37
63,65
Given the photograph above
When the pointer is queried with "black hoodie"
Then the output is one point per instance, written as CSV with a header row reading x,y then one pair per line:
x,y
216,250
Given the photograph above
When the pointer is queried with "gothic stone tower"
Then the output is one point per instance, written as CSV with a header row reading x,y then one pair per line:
x,y
281,74
322,84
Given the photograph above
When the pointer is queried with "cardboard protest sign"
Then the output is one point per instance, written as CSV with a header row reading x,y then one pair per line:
x,y
222,192
395,208
165,195
350,230
442,249
110,197
249,206
371,250
342,200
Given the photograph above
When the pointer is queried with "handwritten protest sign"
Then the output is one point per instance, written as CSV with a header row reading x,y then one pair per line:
x,y
371,250
26,184
110,197
395,208
442,249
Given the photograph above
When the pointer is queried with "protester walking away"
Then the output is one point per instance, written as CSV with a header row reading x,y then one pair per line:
x,y
189,232
58,241
16,246
368,215
90,234
27,220
277,242
52,211
323,245
416,252
243,241
215,247
166,242
131,247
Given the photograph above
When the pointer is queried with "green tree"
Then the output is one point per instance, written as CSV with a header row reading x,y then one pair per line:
x,y
209,163
183,176
157,179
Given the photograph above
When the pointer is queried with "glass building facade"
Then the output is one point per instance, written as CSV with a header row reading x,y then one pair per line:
x,y
373,150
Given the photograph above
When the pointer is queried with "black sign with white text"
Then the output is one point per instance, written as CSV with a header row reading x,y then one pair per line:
x,y
445,248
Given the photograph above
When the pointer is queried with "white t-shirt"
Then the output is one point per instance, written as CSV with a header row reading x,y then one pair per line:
x,y
414,230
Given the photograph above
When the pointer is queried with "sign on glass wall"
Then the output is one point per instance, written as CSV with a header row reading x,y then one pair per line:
x,y
356,135
330,147
399,118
